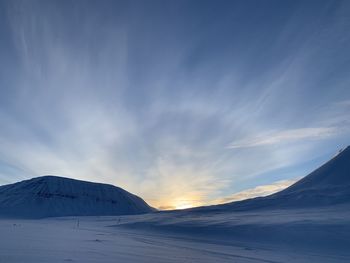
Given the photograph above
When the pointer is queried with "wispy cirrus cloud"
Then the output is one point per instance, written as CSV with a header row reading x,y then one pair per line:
x,y
111,93
286,136
262,190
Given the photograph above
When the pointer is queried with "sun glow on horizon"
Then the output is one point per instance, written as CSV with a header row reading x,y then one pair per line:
x,y
193,201
184,205
178,203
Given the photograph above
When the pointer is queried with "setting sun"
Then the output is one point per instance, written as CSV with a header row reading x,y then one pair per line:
x,y
184,205
182,202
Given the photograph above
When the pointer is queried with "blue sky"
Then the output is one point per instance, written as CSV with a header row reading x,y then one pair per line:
x,y
182,102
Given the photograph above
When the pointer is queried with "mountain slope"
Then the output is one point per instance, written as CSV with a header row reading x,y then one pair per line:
x,y
50,196
333,174
327,185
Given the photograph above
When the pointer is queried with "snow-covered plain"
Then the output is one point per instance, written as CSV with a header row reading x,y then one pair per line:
x,y
304,235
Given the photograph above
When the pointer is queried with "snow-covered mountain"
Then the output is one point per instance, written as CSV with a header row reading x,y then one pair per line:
x,y
49,196
327,185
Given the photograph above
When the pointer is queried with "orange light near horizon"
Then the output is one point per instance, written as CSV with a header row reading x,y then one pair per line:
x,y
184,205
176,203
181,203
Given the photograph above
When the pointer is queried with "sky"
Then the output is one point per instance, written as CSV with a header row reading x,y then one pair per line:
x,y
184,103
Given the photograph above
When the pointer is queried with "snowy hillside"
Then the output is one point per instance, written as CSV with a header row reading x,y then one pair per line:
x,y
327,185
49,196
332,178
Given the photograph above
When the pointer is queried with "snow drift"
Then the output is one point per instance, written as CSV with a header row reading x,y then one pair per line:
x,y
51,196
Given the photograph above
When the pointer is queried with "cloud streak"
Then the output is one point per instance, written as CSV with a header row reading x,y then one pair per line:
x,y
259,191
287,136
110,92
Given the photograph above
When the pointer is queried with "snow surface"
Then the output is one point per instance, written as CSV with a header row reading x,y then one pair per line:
x,y
50,196
320,235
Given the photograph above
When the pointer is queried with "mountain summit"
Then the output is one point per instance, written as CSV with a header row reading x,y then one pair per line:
x,y
51,196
